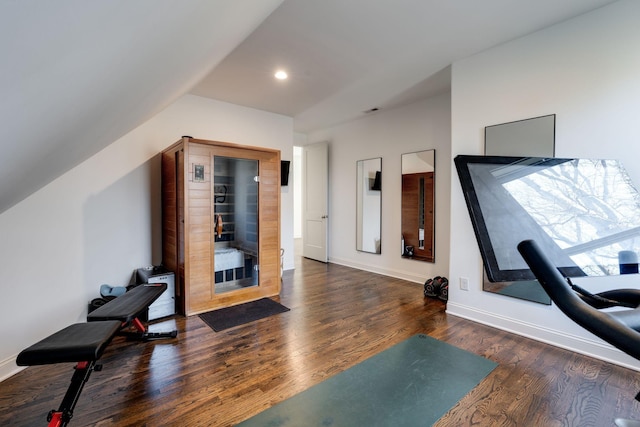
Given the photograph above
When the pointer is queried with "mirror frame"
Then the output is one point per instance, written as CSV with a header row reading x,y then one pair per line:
x,y
369,205
418,171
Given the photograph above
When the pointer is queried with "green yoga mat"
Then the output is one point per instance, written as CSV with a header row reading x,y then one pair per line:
x,y
413,383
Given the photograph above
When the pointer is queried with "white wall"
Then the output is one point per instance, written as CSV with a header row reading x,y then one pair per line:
x,y
101,220
584,70
296,180
388,134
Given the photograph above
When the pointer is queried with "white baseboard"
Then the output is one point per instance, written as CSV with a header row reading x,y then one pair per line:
x,y
595,347
397,274
8,368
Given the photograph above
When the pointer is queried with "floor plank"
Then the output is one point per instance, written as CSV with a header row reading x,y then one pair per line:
x,y
339,317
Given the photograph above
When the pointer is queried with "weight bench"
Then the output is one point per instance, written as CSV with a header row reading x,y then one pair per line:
x,y
128,309
83,343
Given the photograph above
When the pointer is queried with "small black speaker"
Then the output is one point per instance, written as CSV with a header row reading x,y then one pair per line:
x,y
377,182
284,172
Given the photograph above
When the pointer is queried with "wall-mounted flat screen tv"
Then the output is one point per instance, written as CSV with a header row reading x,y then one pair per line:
x,y
284,172
583,212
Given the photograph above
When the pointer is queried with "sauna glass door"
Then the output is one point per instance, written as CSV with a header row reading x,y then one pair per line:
x,y
235,223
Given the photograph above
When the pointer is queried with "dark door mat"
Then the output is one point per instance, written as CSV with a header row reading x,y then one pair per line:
x,y
413,383
229,317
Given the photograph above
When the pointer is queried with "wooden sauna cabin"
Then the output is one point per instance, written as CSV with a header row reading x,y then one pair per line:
x,y
220,223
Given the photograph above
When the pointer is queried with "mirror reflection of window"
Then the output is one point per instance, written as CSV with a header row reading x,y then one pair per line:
x,y
418,202
369,205
588,207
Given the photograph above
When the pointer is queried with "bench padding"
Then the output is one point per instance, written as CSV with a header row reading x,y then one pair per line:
x,y
127,307
80,342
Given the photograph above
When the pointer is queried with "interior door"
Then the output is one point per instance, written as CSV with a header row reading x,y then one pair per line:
x,y
315,192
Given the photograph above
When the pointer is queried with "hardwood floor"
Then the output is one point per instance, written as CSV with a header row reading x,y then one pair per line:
x,y
339,316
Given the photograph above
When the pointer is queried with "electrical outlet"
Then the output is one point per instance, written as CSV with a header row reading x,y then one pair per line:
x,y
464,283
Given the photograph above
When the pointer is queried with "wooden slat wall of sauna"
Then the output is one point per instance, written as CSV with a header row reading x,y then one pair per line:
x,y
200,230
173,217
169,205
269,205
181,296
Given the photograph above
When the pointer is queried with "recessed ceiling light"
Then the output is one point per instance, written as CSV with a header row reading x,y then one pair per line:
x,y
281,75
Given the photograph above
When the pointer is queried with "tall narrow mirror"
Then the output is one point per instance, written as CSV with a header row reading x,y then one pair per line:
x,y
533,137
369,205
418,190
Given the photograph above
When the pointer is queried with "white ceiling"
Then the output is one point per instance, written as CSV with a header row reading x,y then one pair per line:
x,y
348,56
77,75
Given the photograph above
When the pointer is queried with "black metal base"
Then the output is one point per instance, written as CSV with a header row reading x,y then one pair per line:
x,y
63,415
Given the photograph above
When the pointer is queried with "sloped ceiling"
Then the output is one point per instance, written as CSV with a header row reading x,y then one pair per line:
x,y
76,75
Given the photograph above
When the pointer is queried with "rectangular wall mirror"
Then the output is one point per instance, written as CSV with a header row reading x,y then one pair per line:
x,y
418,191
369,205
534,137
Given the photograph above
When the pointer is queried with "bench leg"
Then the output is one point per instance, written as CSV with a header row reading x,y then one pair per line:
x,y
144,335
63,415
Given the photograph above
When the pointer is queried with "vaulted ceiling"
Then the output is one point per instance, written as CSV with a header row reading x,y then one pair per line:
x,y
78,75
